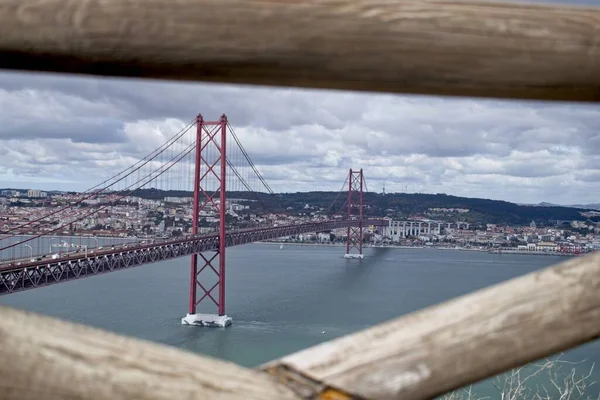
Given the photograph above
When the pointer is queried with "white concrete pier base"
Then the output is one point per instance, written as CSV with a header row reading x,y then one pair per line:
x,y
210,320
354,256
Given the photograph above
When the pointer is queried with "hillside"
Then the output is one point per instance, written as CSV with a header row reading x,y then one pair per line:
x,y
403,205
592,206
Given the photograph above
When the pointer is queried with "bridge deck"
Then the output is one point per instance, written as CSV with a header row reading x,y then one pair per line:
x,y
29,275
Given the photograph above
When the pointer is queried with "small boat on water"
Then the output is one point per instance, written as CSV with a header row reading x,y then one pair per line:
x,y
281,246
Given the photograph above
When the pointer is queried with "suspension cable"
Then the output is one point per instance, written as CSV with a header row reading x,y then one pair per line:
x,y
342,190
177,158
251,163
135,167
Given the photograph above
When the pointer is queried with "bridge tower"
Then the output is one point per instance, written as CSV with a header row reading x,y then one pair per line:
x,y
210,171
354,239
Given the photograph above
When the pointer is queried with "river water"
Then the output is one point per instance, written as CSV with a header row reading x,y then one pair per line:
x,y
47,245
282,300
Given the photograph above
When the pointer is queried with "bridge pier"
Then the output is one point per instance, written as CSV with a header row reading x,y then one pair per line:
x,y
208,320
209,134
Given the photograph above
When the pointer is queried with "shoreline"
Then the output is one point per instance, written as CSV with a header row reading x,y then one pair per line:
x,y
489,251
302,244
335,245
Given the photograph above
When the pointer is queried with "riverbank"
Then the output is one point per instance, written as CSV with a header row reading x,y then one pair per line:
x,y
344,245
336,245
304,244
535,253
483,250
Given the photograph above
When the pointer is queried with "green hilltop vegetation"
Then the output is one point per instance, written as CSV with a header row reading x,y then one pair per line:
x,y
403,205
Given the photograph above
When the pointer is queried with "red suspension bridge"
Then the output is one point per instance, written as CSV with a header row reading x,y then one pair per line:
x,y
204,159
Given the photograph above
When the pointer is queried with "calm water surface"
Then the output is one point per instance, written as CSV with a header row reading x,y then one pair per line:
x,y
282,300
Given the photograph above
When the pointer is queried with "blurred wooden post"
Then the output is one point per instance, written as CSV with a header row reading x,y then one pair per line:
x,y
44,358
442,47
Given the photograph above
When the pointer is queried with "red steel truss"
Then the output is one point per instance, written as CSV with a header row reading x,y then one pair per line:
x,y
354,239
209,135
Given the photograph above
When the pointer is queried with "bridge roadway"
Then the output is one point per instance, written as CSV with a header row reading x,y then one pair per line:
x,y
19,276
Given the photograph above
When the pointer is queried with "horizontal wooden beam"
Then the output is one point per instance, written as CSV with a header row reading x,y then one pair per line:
x,y
462,341
440,47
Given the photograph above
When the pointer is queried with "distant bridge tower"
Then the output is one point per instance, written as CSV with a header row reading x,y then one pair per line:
x,y
209,180
354,239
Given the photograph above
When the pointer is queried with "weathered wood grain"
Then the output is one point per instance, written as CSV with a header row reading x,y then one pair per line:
x,y
44,358
439,47
444,347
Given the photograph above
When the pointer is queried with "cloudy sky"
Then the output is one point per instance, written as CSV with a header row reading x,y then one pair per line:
x,y
60,132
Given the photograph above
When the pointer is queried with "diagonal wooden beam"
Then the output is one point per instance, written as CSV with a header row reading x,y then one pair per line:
x,y
447,346
441,47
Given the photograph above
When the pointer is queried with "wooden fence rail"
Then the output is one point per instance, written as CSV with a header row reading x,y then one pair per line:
x,y
410,46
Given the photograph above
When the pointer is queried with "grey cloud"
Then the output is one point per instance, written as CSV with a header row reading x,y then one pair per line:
x,y
84,129
493,129
274,109
437,127
588,176
76,130
535,169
